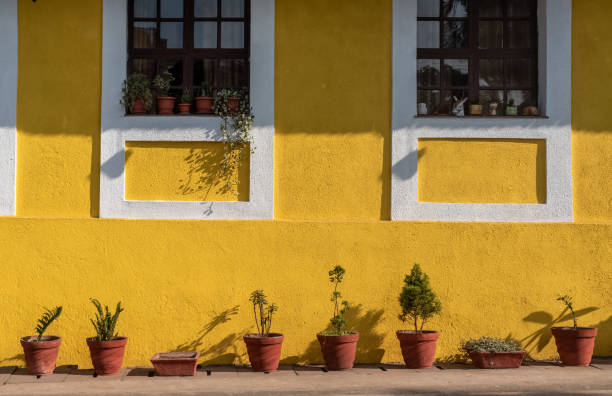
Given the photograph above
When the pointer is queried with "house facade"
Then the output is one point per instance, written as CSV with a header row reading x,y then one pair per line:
x,y
471,137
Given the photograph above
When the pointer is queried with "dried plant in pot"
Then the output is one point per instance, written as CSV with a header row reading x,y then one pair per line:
x,y
263,347
494,353
574,344
161,84
185,104
106,348
41,351
137,98
338,345
418,303
204,101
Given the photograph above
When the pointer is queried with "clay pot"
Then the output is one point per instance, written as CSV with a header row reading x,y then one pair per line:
x,y
41,356
475,109
418,349
107,356
138,107
204,104
575,346
497,360
339,351
264,352
184,108
180,364
531,111
233,104
165,104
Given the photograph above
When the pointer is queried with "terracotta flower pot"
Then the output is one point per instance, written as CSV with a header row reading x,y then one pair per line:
x,y
418,349
41,356
107,356
575,346
179,364
264,352
184,108
204,104
476,109
138,107
165,104
339,351
497,360
234,104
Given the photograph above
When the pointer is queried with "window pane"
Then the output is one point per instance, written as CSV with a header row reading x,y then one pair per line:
x,y
145,8
490,9
428,72
205,8
428,34
205,34
232,34
144,34
231,73
171,35
204,72
456,72
232,8
428,102
171,8
490,34
519,8
455,34
520,34
428,8
491,102
174,67
519,72
455,8
491,73
521,99
144,66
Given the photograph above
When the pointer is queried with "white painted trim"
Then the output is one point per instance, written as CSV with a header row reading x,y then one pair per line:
x,y
555,35
8,105
117,128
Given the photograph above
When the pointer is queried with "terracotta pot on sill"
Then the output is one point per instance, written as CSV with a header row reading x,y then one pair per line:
x,y
179,364
204,104
233,104
138,107
41,356
339,351
184,108
418,348
475,109
497,360
165,104
107,356
575,345
264,352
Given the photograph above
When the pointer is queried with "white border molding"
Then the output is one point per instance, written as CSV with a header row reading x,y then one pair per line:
x,y
555,59
8,105
117,128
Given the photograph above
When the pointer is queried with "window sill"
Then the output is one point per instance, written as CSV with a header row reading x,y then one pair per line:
x,y
472,117
169,115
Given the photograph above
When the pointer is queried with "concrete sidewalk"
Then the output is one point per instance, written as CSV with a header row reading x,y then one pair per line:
x,y
532,379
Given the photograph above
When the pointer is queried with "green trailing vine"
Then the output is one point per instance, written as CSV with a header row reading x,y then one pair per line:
x,y
104,322
262,312
46,319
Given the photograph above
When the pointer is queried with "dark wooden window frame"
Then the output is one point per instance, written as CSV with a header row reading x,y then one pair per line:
x,y
474,54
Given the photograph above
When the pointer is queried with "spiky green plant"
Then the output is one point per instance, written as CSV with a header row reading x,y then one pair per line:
x,y
417,299
569,303
262,312
105,323
46,319
338,322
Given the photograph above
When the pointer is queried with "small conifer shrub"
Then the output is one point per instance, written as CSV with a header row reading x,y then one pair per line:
x,y
417,299
46,319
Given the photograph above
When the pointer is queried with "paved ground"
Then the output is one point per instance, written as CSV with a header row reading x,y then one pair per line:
x,y
532,379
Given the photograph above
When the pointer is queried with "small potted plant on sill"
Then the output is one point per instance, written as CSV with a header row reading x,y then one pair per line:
x,y
531,111
494,353
574,344
338,346
204,101
475,109
263,347
493,108
106,348
511,109
137,98
418,301
185,104
41,351
161,83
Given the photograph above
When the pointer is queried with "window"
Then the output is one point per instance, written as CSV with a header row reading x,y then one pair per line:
x,y
200,42
484,51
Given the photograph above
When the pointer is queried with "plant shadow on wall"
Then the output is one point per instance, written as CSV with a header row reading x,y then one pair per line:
x,y
406,168
224,351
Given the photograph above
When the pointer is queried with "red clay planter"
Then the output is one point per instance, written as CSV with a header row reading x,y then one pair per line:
x,y
497,360
41,356
138,108
204,104
179,364
575,345
339,351
233,104
418,349
107,356
165,104
184,108
264,352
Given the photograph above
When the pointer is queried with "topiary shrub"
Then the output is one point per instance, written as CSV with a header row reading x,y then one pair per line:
x,y
417,299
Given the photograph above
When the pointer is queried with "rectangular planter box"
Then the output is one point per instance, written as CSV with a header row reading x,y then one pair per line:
x,y
175,363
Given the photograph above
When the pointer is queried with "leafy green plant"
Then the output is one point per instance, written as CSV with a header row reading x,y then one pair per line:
x,y
46,319
341,307
417,299
136,86
104,322
489,344
262,312
511,103
205,91
162,83
569,303
186,96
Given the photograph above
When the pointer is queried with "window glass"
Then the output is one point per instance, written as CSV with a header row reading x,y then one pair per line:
x,y
429,8
455,34
232,35
205,8
490,8
519,8
456,72
491,73
145,8
171,34
519,34
145,34
428,72
519,72
171,8
205,35
428,34
232,8
455,8
490,34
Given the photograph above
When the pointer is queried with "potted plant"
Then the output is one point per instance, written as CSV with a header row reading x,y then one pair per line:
x,y
106,348
185,102
204,101
493,108
41,351
475,109
179,364
494,353
263,347
137,98
511,109
161,83
418,301
531,111
338,346
574,344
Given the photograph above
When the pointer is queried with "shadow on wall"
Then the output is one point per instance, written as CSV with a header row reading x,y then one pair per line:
x,y
406,168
